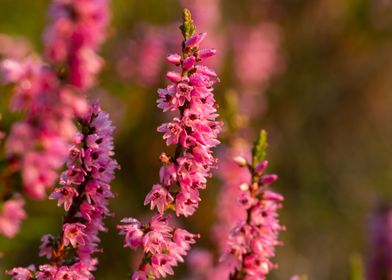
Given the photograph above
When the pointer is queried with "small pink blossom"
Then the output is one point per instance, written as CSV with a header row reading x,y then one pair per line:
x,y
175,77
139,275
64,196
46,248
20,273
11,216
74,235
174,58
195,40
132,229
158,197
162,265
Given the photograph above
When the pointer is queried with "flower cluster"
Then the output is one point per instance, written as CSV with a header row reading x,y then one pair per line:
x,y
11,216
77,30
207,14
194,133
142,57
256,55
229,211
84,193
39,142
51,94
251,243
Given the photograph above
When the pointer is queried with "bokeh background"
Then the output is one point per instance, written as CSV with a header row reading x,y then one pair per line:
x,y
317,75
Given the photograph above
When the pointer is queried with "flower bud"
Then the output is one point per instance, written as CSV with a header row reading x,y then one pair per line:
x,y
174,58
240,160
175,77
195,40
189,62
259,169
269,195
268,179
206,53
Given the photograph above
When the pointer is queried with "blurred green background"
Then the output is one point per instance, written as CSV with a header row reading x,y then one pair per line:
x,y
328,113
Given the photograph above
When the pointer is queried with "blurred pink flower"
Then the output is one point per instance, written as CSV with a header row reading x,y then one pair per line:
x,y
11,216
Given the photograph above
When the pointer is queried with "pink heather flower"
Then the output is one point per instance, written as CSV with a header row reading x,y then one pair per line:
x,y
201,261
11,216
256,55
20,273
184,239
207,15
162,265
47,272
159,197
141,57
189,62
64,196
132,229
74,234
172,130
195,40
46,248
185,205
48,124
85,192
76,31
206,53
252,242
194,133
174,77
168,174
259,169
139,275
174,58
268,179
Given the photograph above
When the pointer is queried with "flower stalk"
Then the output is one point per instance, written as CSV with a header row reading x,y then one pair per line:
x,y
193,133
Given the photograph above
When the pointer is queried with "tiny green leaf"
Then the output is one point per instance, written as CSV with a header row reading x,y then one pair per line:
x,y
187,28
259,149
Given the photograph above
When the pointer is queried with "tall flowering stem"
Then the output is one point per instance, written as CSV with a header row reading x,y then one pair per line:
x,y
251,244
193,133
50,91
84,192
76,31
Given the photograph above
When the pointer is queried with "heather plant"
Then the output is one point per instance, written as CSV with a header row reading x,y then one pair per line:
x,y
50,92
84,192
61,127
183,174
249,231
252,242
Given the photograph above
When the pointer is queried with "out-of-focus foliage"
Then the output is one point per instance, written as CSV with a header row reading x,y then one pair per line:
x,y
328,115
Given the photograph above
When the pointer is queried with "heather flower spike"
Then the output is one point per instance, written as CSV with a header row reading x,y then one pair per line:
x,y
194,132
251,243
50,93
84,192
